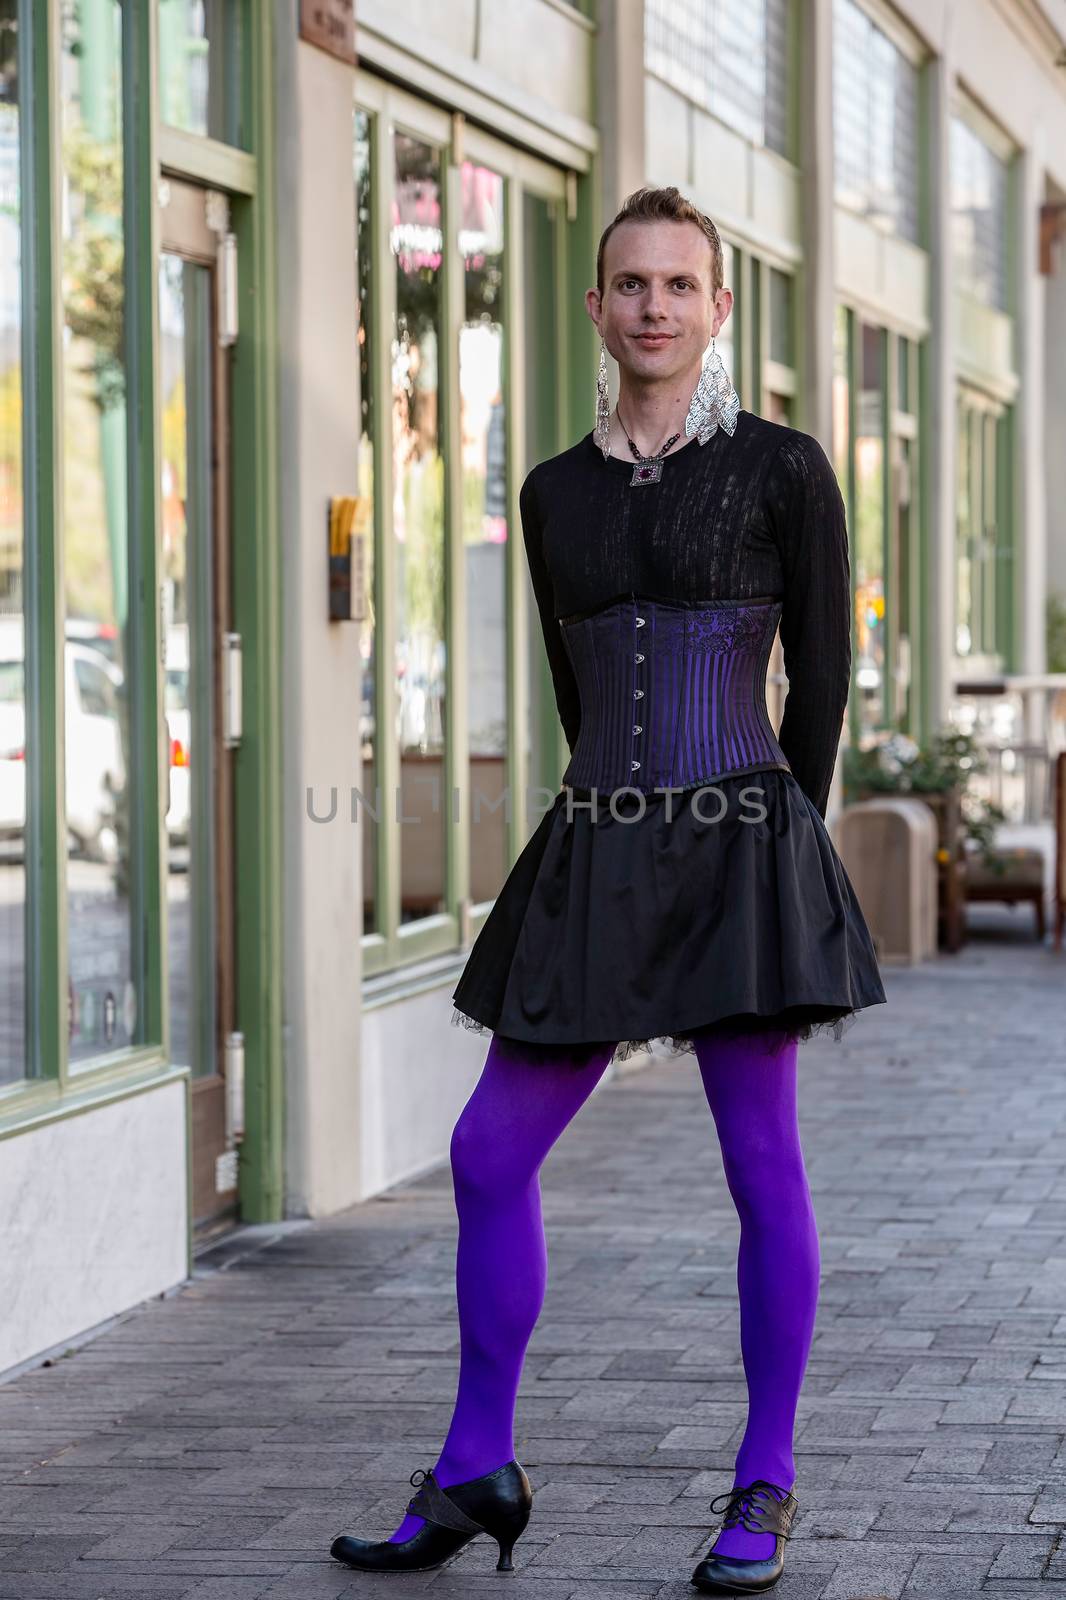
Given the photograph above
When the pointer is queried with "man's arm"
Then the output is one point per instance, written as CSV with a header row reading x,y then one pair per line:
x,y
567,698
807,511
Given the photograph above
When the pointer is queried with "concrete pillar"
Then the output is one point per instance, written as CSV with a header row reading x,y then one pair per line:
x,y
620,102
319,427
1055,412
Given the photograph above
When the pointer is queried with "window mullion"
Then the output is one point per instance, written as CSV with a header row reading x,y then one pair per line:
x,y
140,230
456,764
46,943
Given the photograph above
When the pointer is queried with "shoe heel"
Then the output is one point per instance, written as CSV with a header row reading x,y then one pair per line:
x,y
507,1533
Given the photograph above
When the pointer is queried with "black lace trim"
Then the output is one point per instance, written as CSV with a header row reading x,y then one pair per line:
x,y
679,1044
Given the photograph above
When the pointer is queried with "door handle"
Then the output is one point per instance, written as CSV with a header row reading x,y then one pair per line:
x,y
231,690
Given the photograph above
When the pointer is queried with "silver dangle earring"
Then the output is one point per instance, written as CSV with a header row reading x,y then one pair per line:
x,y
602,430
714,400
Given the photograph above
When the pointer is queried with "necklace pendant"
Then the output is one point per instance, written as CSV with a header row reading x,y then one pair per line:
x,y
647,471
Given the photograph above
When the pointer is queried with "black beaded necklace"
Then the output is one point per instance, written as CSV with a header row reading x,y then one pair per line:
x,y
649,469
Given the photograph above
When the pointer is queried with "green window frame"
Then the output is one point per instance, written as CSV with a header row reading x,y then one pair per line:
x,y
899,539
225,48
984,549
392,944
711,51
50,1089
51,1083
766,332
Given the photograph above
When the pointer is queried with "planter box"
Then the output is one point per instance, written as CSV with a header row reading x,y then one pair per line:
x,y
946,806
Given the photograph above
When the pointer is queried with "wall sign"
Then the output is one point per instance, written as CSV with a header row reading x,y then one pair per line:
x,y
331,25
349,529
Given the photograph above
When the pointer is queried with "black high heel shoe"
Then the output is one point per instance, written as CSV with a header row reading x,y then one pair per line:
x,y
499,1503
774,1514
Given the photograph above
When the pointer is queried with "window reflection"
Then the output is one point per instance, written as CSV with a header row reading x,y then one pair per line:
x,y
979,215
364,131
484,489
102,997
199,54
869,529
187,589
416,241
841,397
875,123
12,645
782,320
981,589
725,338
539,721
730,56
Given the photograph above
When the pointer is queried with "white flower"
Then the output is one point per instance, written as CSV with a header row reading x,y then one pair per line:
x,y
897,752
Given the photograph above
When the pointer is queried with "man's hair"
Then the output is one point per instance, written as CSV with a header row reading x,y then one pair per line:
x,y
665,205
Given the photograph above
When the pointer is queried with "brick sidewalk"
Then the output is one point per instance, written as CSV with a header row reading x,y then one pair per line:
x,y
213,1443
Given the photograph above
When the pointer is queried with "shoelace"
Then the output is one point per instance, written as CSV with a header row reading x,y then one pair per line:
x,y
740,1504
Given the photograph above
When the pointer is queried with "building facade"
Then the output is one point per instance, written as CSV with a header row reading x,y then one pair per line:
x,y
251,279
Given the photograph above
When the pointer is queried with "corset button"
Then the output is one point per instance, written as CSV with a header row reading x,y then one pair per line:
x,y
639,621
637,728
634,765
638,694
640,658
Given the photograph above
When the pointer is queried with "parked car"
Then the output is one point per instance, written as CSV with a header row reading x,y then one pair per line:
x,y
95,767
12,750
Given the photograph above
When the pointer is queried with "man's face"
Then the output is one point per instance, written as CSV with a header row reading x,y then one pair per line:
x,y
657,314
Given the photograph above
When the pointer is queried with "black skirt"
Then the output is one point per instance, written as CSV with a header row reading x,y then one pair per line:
x,y
727,916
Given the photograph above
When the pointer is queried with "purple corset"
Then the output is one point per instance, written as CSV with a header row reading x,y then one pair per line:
x,y
672,694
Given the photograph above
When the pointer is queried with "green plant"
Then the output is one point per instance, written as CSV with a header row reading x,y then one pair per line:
x,y
898,765
980,820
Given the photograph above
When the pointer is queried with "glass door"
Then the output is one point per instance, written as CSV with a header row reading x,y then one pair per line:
x,y
198,744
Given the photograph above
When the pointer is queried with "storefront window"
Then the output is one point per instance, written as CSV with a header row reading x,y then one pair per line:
x,y
869,538
905,366
841,399
103,999
982,545
12,638
875,123
780,400
199,57
782,319
979,216
728,56
483,433
416,240
365,130
725,339
445,528
539,719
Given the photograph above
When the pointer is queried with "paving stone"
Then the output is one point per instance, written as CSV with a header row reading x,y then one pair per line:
x,y
211,1445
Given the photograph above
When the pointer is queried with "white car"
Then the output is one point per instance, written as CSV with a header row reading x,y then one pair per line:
x,y
95,768
12,751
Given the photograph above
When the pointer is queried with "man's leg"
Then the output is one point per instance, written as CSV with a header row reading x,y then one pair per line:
x,y
750,1085
519,1107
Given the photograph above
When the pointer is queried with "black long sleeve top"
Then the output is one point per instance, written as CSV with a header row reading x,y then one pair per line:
x,y
751,515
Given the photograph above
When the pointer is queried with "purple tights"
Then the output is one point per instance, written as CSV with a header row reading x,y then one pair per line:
x,y
518,1108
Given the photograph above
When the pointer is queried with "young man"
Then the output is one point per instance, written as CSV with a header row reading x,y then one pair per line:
x,y
665,548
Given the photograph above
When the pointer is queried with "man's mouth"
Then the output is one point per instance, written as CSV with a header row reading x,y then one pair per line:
x,y
654,338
